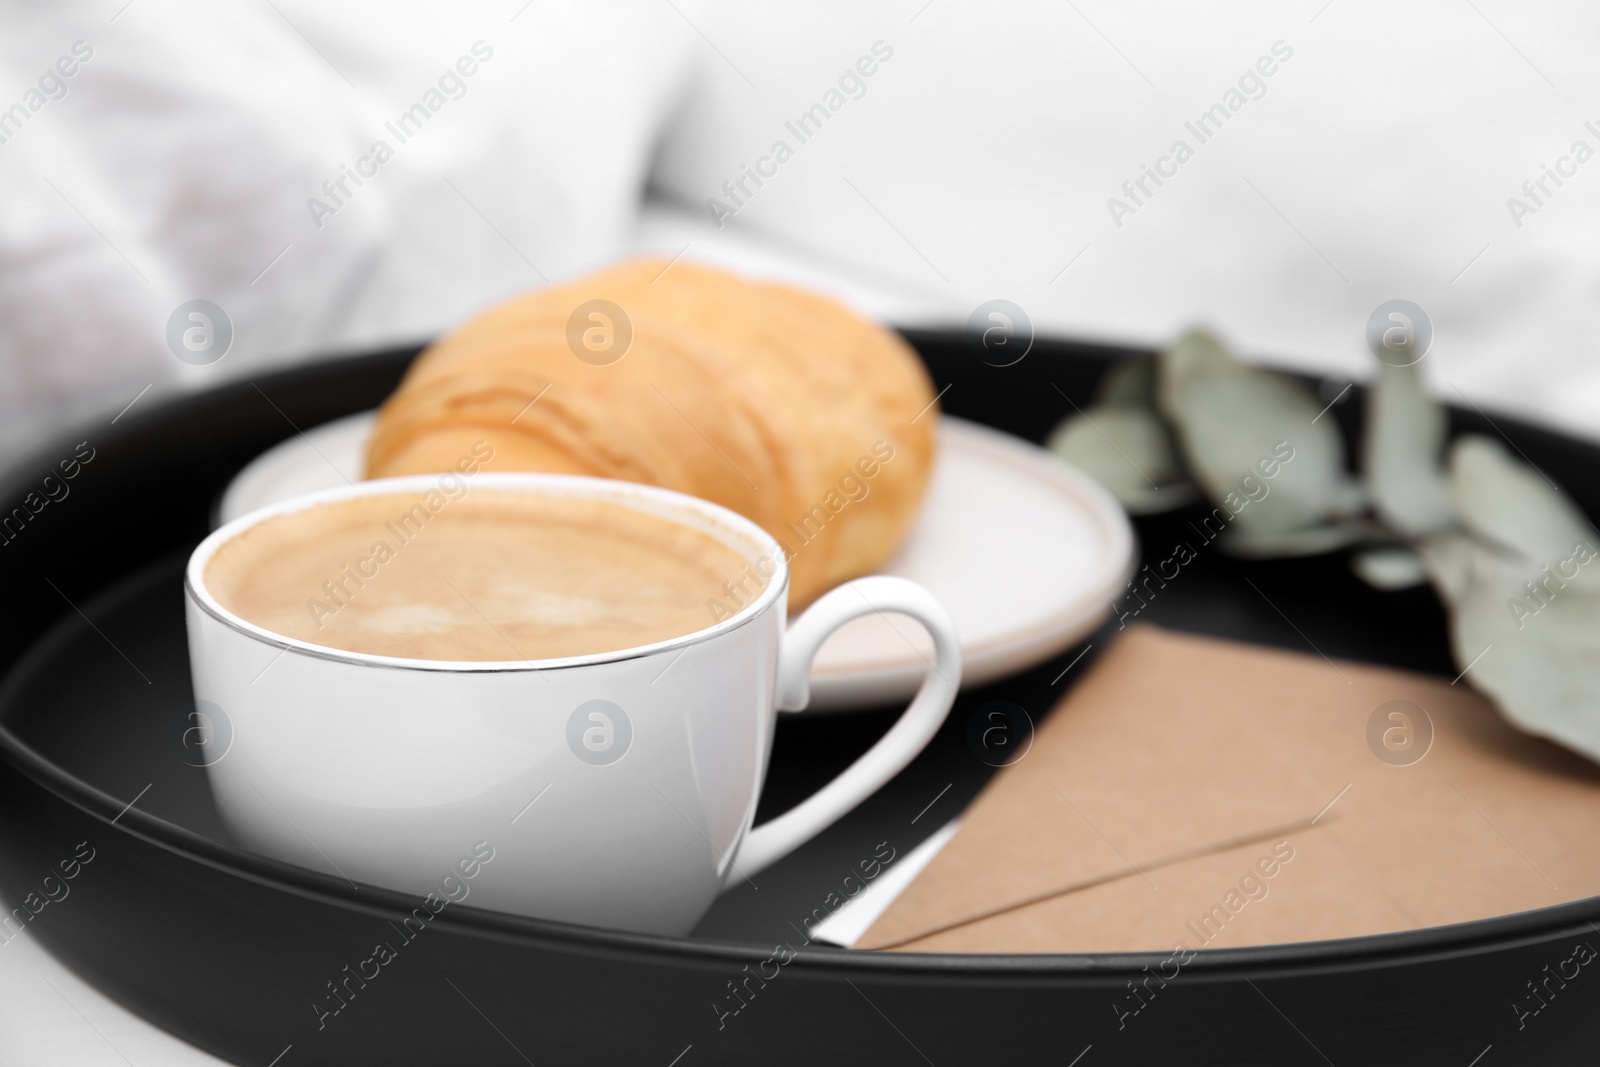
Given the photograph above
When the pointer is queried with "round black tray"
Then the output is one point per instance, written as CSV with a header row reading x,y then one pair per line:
x,y
239,954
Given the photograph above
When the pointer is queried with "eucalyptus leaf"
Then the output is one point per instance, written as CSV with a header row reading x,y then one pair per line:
x,y
1404,438
1164,498
1127,450
1448,558
1251,434
1390,567
1540,663
1195,355
1523,585
1510,504
1241,540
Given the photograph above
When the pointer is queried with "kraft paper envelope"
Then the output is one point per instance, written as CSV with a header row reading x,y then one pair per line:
x,y
1207,793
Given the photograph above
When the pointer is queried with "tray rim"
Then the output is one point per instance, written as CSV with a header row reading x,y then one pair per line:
x,y
1455,940
1280,960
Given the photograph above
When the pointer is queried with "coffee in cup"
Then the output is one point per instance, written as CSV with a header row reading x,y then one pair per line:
x,y
486,576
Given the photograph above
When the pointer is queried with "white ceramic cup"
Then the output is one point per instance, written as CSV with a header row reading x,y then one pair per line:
x,y
614,789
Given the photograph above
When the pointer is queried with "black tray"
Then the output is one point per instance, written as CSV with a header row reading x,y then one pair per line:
x,y
231,951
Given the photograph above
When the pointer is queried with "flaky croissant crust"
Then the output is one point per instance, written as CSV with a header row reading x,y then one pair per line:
x,y
782,405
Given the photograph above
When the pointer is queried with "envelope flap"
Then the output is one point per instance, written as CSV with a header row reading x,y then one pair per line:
x,y
1174,747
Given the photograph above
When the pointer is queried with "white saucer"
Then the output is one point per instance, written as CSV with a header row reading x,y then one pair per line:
x,y
1025,551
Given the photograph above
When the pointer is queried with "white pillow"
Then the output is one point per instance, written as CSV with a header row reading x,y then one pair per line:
x,y
1375,162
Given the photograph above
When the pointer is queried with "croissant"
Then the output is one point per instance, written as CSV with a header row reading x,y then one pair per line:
x,y
782,405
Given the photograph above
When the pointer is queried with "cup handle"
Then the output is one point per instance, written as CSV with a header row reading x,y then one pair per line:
x,y
772,840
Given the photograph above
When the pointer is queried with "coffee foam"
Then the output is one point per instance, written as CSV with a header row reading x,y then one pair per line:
x,y
494,576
